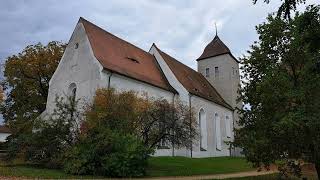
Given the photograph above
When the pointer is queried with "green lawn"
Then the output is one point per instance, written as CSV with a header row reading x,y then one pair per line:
x,y
36,172
158,166
182,166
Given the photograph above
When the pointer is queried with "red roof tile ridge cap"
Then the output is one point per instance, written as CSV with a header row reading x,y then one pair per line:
x,y
103,30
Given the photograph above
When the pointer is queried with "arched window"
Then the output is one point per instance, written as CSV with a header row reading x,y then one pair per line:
x,y
228,127
203,130
72,91
218,132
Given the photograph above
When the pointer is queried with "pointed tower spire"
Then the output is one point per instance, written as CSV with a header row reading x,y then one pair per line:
x,y
215,48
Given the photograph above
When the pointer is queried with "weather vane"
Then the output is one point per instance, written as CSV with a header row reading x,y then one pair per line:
x,y
215,24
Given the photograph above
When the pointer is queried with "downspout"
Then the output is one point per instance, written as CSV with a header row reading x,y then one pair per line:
x,y
233,149
174,94
109,80
190,123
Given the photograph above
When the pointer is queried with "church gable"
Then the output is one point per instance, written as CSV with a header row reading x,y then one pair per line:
x,y
117,55
77,67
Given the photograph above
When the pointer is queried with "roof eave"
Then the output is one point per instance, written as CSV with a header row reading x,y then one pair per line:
x,y
169,89
226,105
199,59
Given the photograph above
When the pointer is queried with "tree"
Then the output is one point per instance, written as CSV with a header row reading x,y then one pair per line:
x,y
281,83
1,95
26,83
163,124
286,7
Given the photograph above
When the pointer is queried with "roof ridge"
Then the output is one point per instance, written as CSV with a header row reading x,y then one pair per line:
x,y
86,21
176,59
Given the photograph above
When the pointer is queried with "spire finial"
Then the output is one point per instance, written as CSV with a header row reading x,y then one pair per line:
x,y
215,24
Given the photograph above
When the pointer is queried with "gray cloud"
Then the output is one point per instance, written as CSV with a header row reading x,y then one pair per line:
x,y
182,28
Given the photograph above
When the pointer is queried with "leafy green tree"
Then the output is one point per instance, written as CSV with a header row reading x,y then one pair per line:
x,y
281,83
286,7
26,83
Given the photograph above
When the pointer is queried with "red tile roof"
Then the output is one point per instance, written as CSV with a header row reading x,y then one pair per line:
x,y
215,48
120,56
4,129
193,81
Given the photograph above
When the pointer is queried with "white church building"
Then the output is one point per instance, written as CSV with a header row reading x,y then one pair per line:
x,y
94,58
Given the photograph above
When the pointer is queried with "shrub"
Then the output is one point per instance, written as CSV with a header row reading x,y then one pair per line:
x,y
105,152
50,137
121,130
152,120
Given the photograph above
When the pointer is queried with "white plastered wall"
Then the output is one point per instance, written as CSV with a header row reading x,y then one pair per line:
x,y
3,136
210,109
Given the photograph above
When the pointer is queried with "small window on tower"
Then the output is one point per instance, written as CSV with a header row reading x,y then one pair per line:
x,y
216,72
207,72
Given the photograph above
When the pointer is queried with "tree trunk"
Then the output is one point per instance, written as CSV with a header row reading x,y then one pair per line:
x,y
317,164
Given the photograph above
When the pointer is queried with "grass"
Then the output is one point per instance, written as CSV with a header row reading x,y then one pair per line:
x,y
36,172
182,166
158,166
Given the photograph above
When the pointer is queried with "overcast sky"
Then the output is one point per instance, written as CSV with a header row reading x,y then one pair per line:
x,y
180,27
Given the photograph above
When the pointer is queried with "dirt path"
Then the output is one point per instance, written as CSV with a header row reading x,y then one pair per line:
x,y
198,177
215,176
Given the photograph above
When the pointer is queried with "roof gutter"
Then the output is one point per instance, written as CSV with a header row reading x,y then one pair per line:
x,y
170,90
199,59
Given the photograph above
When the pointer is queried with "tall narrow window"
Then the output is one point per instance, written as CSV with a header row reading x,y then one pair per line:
x,y
207,72
233,71
73,95
216,72
228,127
203,130
218,132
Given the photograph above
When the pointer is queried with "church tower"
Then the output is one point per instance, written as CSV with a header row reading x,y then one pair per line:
x,y
221,69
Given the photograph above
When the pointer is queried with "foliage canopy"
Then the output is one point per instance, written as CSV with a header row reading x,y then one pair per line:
x,y
281,78
286,7
26,83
